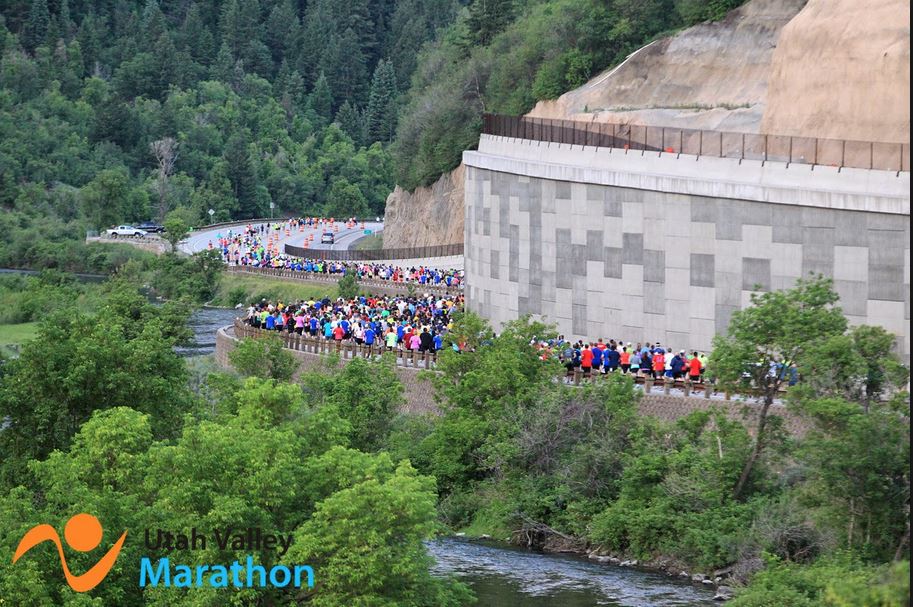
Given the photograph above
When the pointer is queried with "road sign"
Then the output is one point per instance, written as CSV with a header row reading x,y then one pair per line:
x,y
211,212
368,231
272,205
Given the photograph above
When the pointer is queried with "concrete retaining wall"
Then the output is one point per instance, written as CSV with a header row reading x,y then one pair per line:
x,y
651,247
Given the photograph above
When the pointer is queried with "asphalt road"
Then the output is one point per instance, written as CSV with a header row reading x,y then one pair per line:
x,y
345,238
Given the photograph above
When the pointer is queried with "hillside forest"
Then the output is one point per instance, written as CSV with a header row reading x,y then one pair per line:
x,y
123,110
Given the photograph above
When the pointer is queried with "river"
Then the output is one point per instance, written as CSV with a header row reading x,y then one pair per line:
x,y
503,576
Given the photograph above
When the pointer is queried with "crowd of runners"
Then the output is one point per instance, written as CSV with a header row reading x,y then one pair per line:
x,y
255,246
651,360
394,323
419,323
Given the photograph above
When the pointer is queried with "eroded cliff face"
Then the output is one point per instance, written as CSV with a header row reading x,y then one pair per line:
x,y
427,216
814,68
841,70
710,76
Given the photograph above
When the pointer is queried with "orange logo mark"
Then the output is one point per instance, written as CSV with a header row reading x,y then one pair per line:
x,y
83,533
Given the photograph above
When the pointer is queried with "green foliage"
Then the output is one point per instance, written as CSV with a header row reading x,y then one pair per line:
x,y
263,357
122,355
192,279
264,455
834,582
347,286
366,538
176,230
367,394
858,473
765,340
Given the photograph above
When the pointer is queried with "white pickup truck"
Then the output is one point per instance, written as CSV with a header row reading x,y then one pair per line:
x,y
125,231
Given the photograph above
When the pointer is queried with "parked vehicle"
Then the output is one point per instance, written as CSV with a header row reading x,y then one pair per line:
x,y
327,238
125,230
151,227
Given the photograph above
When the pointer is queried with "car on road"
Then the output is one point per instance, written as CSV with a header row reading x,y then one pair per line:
x,y
327,238
125,230
151,227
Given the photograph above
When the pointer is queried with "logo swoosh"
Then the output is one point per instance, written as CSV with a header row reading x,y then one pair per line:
x,y
80,583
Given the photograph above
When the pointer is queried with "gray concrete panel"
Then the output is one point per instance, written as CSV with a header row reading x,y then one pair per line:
x,y
562,190
513,261
612,257
787,224
755,273
851,229
594,246
654,266
595,193
579,319
817,251
632,246
728,288
702,270
578,259
654,298
503,208
852,296
535,299
612,208
704,209
723,316
495,264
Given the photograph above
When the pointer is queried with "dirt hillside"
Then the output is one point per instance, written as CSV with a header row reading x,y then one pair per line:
x,y
842,70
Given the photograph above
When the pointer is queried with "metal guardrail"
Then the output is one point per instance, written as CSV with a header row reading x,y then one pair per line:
x,y
445,250
693,142
334,278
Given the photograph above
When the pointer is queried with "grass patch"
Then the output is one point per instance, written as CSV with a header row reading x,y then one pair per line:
x,y
237,289
370,243
13,336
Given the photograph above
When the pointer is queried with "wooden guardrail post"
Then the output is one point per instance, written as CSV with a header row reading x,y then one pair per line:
x,y
667,384
648,384
686,386
707,390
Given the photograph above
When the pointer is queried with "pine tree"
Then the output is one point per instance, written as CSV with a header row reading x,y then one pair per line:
x,y
321,98
166,57
282,30
230,26
195,37
242,174
487,18
153,26
381,115
344,65
223,68
66,21
351,121
294,93
36,26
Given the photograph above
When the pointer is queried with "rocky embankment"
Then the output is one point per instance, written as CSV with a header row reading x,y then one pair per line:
x,y
428,216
